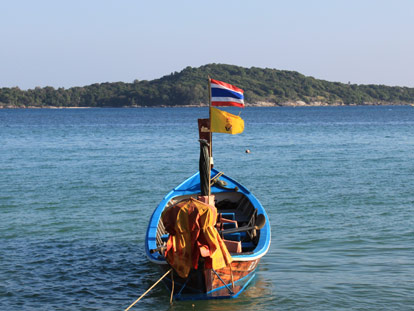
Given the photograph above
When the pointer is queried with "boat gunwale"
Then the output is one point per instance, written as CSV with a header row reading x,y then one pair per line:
x,y
265,237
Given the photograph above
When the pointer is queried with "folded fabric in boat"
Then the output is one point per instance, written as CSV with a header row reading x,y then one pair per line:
x,y
190,224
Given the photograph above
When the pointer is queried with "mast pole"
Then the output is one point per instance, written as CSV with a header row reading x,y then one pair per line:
x,y
211,137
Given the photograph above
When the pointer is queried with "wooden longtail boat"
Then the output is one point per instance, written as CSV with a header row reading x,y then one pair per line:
x,y
240,223
205,283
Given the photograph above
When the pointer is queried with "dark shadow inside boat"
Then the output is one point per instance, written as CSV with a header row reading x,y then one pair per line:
x,y
237,207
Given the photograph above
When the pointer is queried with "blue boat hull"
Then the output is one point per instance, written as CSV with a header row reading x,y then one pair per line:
x,y
208,283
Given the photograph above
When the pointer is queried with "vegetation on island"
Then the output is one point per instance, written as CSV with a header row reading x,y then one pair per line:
x,y
190,88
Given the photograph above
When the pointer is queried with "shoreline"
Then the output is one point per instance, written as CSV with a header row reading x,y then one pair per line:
x,y
259,105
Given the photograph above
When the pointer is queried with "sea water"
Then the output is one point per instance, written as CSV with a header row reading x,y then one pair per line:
x,y
77,188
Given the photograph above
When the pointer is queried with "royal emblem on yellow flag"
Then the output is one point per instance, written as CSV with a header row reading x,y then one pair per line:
x,y
224,122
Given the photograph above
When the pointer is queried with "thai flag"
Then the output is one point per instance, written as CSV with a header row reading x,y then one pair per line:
x,y
224,94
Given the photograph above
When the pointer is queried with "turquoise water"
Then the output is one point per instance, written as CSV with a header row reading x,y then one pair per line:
x,y
77,188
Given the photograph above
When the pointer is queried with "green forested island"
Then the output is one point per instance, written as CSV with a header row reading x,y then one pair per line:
x,y
263,87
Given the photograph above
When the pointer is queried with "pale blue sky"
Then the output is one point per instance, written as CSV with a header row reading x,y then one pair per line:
x,y
79,42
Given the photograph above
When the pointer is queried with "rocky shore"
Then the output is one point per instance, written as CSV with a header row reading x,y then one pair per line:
x,y
298,103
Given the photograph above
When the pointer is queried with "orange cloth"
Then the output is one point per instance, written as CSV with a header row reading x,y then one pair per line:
x,y
190,224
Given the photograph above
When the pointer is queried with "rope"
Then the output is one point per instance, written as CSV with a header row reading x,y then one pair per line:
x,y
182,287
148,290
172,287
231,274
213,180
230,291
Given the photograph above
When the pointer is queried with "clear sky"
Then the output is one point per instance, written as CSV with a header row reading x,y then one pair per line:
x,y
65,43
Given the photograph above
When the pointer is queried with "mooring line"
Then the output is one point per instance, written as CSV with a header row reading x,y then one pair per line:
x,y
148,290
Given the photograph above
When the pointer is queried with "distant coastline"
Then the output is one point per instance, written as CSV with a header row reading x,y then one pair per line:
x,y
260,105
189,88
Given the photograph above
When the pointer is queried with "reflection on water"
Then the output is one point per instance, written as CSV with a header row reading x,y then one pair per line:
x,y
257,296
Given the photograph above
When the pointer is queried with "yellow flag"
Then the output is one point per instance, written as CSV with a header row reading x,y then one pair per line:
x,y
224,122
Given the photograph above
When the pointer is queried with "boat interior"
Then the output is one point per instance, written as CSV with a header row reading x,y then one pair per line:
x,y
236,218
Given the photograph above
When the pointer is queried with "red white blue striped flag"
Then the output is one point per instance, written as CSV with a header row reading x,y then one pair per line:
x,y
224,94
